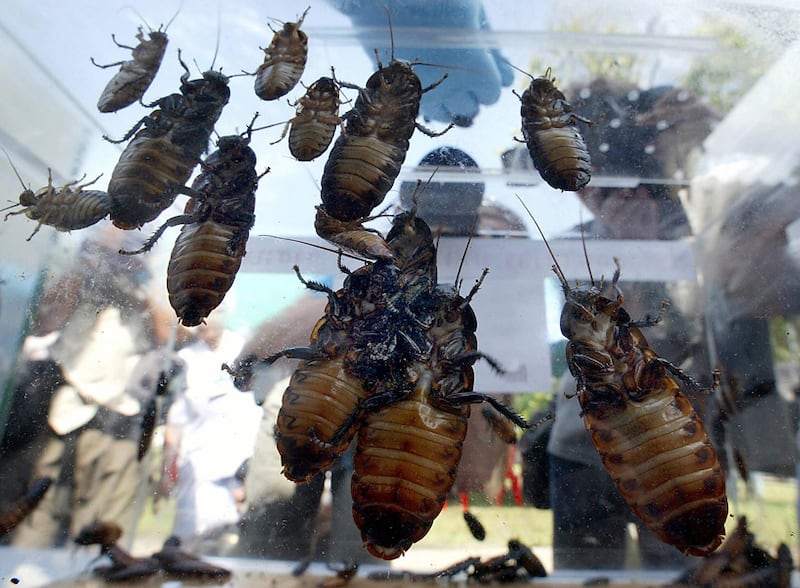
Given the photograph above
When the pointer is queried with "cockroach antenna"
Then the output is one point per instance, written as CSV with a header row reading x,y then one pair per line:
x,y
556,267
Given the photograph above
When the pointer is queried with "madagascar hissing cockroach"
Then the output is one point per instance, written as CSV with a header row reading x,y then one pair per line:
x,y
134,76
216,225
322,392
312,128
284,61
556,146
409,443
23,506
67,208
649,437
157,162
367,156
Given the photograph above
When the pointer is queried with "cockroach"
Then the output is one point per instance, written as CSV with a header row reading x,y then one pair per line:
x,y
312,128
134,76
556,146
322,392
167,146
410,441
24,506
67,208
284,61
650,439
182,564
124,566
216,225
366,158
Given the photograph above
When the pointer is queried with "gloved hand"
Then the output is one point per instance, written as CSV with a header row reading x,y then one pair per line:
x,y
475,76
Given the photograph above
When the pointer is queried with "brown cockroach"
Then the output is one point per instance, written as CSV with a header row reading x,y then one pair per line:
x,y
556,146
216,225
23,506
124,566
312,128
650,439
67,208
158,161
134,76
322,391
367,156
410,441
182,564
284,61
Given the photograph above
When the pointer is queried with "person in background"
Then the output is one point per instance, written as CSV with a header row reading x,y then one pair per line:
x,y
209,435
105,323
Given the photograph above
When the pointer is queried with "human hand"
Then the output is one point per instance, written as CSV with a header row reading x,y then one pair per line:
x,y
475,75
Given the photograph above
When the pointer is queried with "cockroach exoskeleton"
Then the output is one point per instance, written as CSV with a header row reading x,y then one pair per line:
x,y
157,162
284,61
556,146
134,76
651,441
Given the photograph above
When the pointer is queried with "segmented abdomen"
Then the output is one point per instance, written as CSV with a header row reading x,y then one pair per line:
x,y
561,156
145,180
358,174
201,269
662,462
280,73
405,464
321,395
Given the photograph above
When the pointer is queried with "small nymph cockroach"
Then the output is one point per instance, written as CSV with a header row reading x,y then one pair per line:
x,y
366,158
134,76
650,439
284,61
67,208
312,128
24,506
554,142
157,162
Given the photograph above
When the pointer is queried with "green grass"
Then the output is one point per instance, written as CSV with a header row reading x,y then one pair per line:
x,y
773,520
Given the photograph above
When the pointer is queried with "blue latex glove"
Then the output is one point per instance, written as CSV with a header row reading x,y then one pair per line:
x,y
477,75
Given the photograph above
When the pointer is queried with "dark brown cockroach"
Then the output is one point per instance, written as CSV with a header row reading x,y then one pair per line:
x,y
182,564
312,128
216,225
284,61
24,506
134,76
67,208
124,566
367,156
650,439
157,162
554,143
